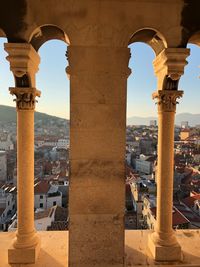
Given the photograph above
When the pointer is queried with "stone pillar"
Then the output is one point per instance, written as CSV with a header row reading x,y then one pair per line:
x,y
23,62
169,67
98,80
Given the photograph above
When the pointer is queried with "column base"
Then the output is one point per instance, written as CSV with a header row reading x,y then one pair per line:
x,y
24,255
164,253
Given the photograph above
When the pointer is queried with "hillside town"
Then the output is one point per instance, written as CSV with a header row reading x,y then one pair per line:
x,y
51,184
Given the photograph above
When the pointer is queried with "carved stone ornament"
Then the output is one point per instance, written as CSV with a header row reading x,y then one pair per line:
x,y
25,97
167,99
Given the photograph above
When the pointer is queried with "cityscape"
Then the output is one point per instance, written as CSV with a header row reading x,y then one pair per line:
x,y
52,175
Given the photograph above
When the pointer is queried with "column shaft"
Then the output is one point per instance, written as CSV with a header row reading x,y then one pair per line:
x,y
25,176
165,172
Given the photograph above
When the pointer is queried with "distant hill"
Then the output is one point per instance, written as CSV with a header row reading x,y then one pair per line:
x,y
193,119
139,120
8,114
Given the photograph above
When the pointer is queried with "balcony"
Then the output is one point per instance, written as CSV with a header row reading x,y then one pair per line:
x,y
54,249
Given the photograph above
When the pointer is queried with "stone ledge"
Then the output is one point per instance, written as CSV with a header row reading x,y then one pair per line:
x,y
54,249
138,254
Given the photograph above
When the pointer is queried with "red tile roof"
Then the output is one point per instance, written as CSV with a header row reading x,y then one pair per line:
x,y
177,217
189,201
41,187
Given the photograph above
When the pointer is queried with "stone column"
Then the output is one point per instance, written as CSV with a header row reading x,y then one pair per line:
x,y
23,62
162,242
98,79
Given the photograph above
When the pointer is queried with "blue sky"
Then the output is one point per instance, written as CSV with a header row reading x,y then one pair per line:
x,y
54,84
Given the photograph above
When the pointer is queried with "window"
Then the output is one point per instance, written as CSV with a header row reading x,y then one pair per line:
x,y
54,203
41,205
41,196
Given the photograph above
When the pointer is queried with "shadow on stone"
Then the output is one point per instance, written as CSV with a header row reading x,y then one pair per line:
x,y
44,259
134,257
189,258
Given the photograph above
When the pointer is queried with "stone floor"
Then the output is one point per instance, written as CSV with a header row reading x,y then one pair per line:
x,y
54,249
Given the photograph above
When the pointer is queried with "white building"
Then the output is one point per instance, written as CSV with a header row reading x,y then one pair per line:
x,y
179,221
44,218
153,123
144,164
137,202
184,124
5,142
7,204
63,143
128,157
3,166
46,195
148,212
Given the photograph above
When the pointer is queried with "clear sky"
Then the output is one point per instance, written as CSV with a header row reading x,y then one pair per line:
x,y
54,84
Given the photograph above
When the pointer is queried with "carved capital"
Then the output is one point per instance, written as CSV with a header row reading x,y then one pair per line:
x,y
167,99
25,97
169,67
24,61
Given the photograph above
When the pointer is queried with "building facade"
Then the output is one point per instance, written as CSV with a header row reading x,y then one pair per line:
x,y
3,166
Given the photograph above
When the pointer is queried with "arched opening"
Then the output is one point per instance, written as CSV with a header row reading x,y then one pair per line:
x,y
51,149
141,138
7,142
47,32
188,131
143,187
151,37
52,135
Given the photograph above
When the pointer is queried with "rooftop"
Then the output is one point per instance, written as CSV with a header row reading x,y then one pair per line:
x,y
189,201
41,187
177,217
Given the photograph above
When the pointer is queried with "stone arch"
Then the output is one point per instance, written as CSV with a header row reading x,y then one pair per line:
x,y
2,33
45,33
195,38
151,37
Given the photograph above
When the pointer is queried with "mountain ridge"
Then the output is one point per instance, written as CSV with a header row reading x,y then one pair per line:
x,y
8,114
193,119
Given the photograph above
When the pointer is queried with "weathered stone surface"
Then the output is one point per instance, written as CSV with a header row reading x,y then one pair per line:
x,y
54,250
102,232
97,199
111,89
98,116
97,145
23,256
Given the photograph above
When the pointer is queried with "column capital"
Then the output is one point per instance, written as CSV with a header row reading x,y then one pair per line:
x,y
169,67
24,61
167,99
25,97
